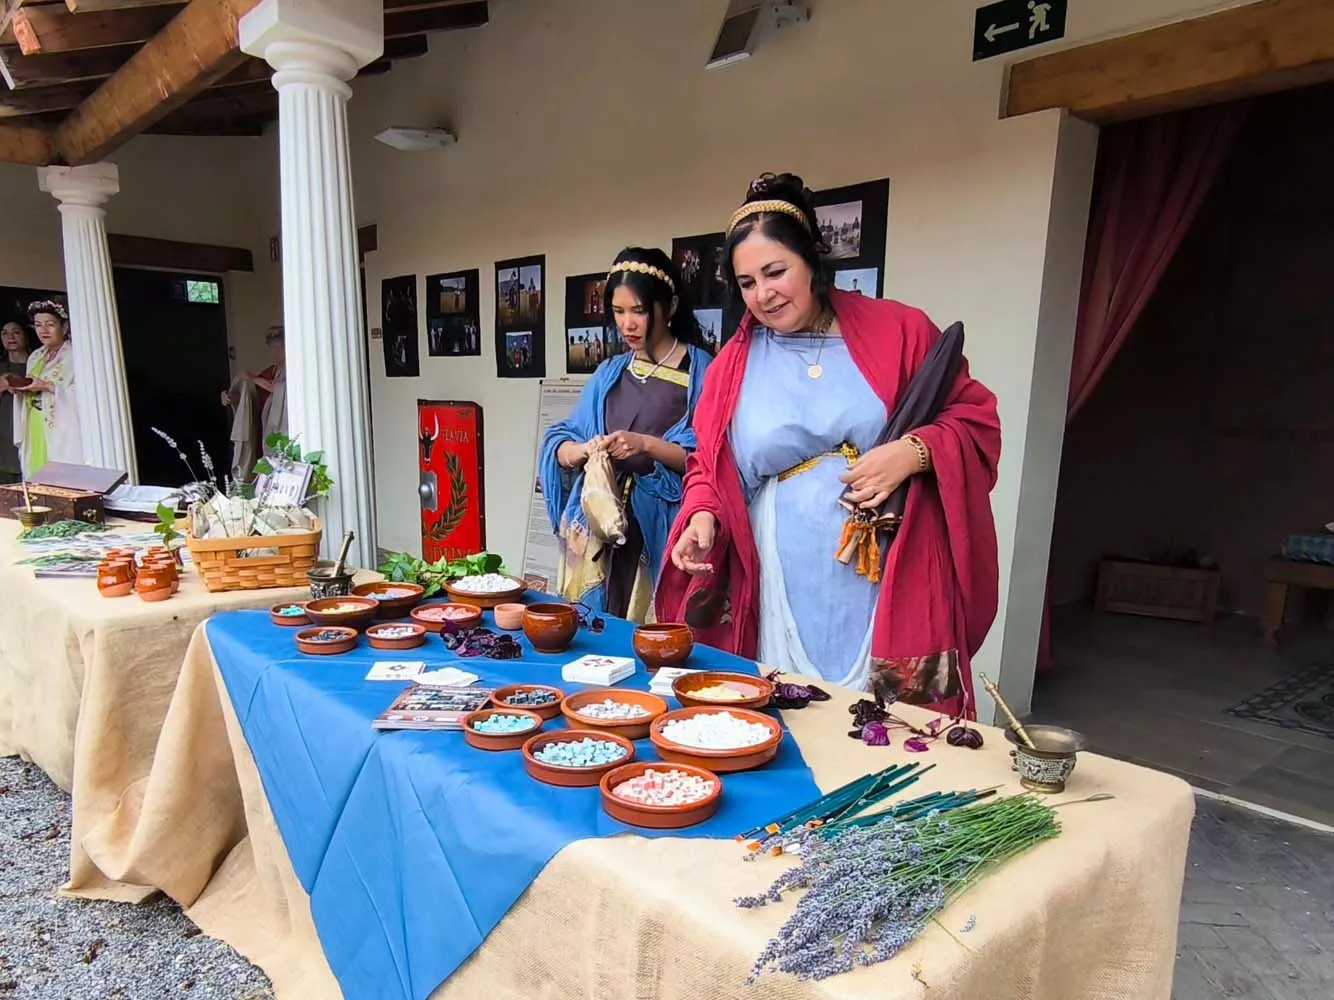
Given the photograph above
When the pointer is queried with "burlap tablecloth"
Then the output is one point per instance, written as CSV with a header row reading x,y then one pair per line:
x,y
1090,915
85,682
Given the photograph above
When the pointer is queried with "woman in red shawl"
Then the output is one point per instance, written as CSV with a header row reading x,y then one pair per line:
x,y
788,547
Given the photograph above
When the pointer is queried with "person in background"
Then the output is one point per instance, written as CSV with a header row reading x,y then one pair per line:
x,y
14,350
793,414
638,405
270,388
46,412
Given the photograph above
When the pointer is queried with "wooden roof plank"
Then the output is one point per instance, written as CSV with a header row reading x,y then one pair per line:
x,y
1238,52
451,17
52,28
95,6
195,49
36,100
46,68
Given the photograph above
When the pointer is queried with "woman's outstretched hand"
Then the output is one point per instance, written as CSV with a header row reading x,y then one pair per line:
x,y
693,547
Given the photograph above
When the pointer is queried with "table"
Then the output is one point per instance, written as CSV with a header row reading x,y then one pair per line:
x,y
1092,914
1281,574
85,682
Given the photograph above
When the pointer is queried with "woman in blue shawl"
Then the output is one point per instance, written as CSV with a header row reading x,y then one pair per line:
x,y
637,406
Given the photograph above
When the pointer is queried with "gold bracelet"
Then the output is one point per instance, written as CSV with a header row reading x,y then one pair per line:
x,y
923,455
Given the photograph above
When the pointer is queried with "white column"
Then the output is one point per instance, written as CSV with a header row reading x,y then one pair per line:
x,y
105,430
315,47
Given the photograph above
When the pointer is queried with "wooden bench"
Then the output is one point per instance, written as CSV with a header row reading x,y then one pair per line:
x,y
1280,574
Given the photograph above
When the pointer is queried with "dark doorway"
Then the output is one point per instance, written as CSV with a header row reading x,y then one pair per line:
x,y
173,328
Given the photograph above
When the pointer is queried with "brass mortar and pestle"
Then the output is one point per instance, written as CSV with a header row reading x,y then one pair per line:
x,y
1044,756
332,579
29,516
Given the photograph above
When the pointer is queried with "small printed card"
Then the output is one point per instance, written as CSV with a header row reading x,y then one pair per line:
x,y
662,680
601,670
448,676
388,670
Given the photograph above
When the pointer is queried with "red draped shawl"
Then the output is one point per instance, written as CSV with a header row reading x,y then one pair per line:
x,y
939,591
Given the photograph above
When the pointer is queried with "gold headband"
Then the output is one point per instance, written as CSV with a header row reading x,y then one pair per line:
x,y
649,269
772,205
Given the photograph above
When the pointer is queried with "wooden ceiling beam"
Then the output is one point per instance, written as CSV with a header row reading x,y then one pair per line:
x,y
47,68
25,145
35,100
451,17
1240,52
95,6
194,50
52,28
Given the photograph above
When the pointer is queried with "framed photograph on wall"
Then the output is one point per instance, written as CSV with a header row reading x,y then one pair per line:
x,y
398,311
854,222
588,339
699,259
453,318
521,326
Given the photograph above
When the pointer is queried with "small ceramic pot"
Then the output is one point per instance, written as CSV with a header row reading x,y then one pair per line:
x,y
510,616
166,566
114,579
550,627
152,584
663,645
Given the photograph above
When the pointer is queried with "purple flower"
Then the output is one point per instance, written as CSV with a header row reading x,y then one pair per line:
x,y
915,745
874,734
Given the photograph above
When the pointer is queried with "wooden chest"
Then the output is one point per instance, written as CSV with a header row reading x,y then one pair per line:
x,y
1132,588
67,505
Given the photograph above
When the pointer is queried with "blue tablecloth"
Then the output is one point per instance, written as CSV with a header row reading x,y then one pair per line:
x,y
1317,547
413,845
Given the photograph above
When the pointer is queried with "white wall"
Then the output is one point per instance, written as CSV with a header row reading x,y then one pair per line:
x,y
586,125
219,191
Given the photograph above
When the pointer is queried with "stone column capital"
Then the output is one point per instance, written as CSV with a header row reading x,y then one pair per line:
x,y
312,40
89,186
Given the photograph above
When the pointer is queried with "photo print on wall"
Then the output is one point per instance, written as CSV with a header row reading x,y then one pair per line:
x,y
700,262
588,339
854,222
521,318
398,311
453,317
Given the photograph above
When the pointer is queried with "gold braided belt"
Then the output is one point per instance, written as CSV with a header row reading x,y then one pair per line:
x,y
845,450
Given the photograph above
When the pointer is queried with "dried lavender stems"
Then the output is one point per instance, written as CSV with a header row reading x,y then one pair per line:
x,y
871,889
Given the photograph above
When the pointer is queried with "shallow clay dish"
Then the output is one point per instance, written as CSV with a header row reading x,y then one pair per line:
x,y
742,759
751,692
573,777
663,645
550,627
460,616
510,616
379,641
658,817
289,621
631,729
395,599
360,611
501,696
501,741
327,648
487,600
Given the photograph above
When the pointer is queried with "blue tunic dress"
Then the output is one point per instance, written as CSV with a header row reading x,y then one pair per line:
x,y
815,612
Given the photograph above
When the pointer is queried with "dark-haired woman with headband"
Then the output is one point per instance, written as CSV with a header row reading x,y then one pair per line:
x,y
46,411
637,406
823,413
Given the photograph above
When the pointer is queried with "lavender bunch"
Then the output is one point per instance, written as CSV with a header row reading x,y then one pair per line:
x,y
197,490
870,891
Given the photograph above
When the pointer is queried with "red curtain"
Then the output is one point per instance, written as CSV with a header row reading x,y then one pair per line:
x,y
1153,175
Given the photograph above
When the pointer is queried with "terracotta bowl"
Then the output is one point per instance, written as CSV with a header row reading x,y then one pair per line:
x,y
305,641
631,729
510,616
550,627
467,616
20,381
289,621
361,611
750,691
658,817
501,696
663,645
503,741
717,760
573,777
379,640
395,599
487,600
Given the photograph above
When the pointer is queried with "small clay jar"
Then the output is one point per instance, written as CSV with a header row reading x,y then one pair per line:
x,y
663,645
166,567
152,584
114,579
550,627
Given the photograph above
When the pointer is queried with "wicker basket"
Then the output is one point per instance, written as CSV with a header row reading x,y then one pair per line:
x,y
222,567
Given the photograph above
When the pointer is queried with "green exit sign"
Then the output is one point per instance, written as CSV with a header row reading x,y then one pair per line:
x,y
1017,24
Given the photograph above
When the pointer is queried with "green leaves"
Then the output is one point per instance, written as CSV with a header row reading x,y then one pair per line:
x,y
288,452
403,567
166,527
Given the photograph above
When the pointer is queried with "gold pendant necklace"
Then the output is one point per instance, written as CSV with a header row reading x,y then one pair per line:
x,y
822,325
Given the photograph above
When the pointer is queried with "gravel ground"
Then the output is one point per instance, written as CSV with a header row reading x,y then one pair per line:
x,y
69,949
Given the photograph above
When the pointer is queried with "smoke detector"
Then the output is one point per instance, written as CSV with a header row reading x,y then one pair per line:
x,y
416,140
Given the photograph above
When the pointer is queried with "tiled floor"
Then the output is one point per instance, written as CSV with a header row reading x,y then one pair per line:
x,y
1157,693
1257,910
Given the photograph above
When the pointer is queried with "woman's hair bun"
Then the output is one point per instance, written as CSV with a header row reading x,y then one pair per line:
x,y
784,187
